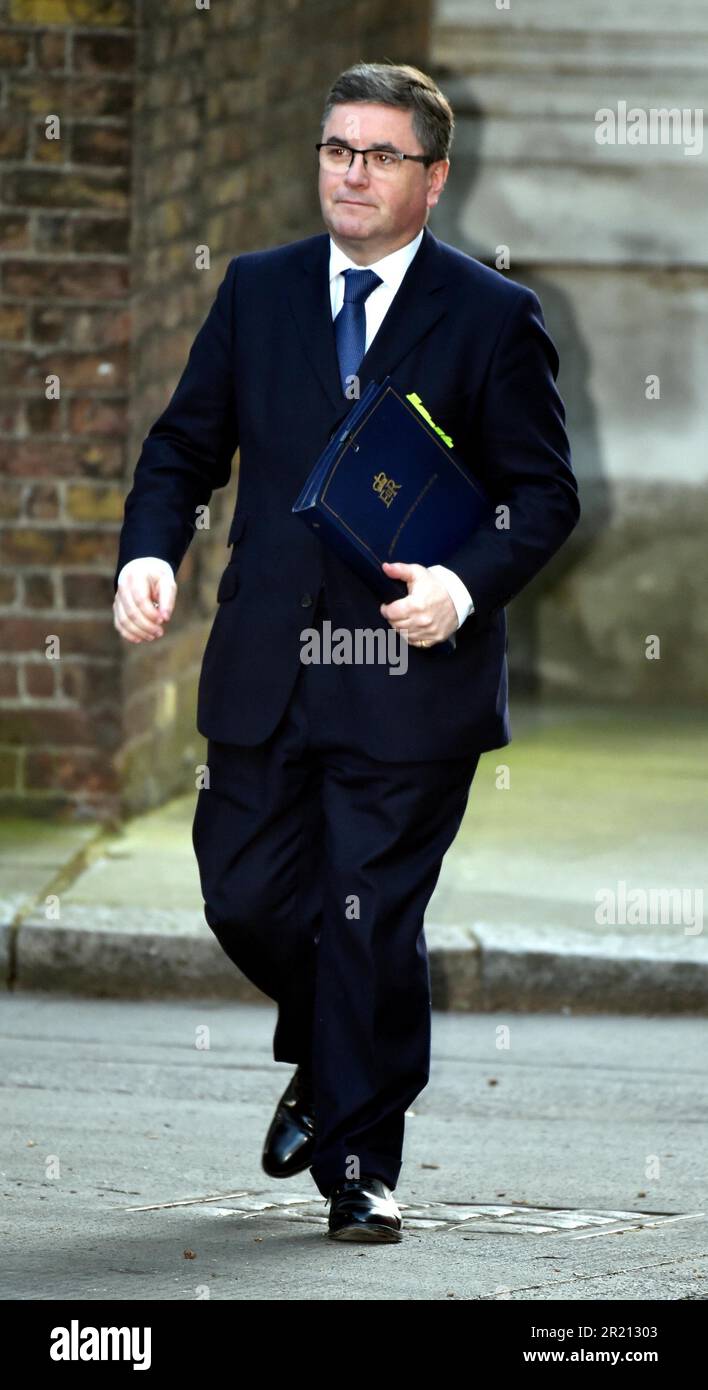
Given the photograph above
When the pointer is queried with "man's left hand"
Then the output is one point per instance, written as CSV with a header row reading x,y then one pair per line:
x,y
427,614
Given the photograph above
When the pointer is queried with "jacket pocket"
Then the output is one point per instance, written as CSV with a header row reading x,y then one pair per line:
x,y
237,527
228,584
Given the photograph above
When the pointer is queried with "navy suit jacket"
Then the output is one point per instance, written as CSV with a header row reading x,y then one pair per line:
x,y
262,374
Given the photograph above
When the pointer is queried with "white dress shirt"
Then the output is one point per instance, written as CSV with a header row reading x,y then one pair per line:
x,y
391,269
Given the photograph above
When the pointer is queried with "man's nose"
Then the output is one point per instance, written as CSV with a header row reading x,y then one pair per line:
x,y
357,171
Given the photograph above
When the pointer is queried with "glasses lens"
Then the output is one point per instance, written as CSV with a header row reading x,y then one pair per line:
x,y
383,162
335,157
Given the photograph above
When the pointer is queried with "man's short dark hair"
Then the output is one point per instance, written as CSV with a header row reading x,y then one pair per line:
x,y
399,84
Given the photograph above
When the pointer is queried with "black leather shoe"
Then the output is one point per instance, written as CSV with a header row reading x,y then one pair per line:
x,y
363,1209
290,1141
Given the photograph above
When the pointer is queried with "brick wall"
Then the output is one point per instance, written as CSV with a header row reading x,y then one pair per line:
x,y
179,129
64,313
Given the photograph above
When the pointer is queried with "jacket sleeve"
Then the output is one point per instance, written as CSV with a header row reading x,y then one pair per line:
x,y
189,449
524,463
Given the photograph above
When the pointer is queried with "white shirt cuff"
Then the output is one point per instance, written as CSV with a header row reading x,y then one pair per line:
x,y
458,591
156,560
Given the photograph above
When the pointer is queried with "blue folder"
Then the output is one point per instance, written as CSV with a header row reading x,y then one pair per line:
x,y
388,487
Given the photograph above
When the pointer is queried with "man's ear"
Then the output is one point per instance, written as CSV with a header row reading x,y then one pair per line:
x,y
440,172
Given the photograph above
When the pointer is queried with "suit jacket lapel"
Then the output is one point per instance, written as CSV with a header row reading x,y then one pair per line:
x,y
416,306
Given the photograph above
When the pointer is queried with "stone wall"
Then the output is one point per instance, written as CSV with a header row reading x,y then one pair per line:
x,y
180,128
611,237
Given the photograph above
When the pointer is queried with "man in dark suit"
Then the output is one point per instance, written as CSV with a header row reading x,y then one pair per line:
x,y
335,790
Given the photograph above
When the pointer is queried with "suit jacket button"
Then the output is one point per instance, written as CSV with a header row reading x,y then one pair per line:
x,y
306,601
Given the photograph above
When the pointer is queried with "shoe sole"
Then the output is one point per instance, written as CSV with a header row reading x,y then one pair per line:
x,y
366,1232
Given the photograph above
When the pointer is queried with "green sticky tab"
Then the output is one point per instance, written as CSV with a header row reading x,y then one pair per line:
x,y
415,400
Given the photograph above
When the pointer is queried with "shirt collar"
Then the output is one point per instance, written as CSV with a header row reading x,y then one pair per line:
x,y
391,268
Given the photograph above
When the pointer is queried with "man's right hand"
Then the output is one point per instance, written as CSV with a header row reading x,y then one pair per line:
x,y
145,598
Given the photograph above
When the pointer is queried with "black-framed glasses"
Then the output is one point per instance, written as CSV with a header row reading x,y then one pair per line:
x,y
336,158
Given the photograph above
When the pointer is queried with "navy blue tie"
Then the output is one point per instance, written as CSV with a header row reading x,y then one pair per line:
x,y
350,323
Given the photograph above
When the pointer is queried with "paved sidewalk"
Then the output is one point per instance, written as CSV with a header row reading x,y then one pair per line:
x,y
604,808
550,1158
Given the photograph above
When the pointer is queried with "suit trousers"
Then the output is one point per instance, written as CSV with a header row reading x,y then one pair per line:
x,y
316,864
